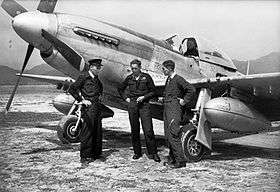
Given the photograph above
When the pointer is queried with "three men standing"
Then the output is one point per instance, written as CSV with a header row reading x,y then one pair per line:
x,y
87,89
178,92
141,89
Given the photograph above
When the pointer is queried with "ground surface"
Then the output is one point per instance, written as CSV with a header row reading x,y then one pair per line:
x,y
33,159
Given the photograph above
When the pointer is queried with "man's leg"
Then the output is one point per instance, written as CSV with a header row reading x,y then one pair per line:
x,y
86,136
167,120
135,128
174,114
147,125
97,131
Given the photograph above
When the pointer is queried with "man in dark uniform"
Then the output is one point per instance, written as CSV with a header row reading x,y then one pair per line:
x,y
141,89
87,89
178,92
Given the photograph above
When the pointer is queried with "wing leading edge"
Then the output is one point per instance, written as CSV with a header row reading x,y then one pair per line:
x,y
56,80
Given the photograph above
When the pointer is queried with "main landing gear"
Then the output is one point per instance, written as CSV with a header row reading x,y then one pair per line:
x,y
196,136
193,150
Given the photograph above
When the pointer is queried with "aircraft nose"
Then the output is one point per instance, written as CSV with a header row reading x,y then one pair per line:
x,y
29,27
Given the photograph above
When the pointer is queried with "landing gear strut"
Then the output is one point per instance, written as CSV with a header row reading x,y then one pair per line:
x,y
196,137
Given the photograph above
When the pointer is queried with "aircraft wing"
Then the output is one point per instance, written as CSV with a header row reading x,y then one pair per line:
x,y
265,88
265,85
56,80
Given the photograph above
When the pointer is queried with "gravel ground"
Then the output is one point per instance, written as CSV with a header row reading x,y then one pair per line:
x,y
33,159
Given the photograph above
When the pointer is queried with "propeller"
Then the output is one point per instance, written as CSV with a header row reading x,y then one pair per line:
x,y
46,6
27,56
67,52
13,9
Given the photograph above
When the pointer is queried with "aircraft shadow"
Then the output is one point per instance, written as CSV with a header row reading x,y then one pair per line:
x,y
115,139
229,151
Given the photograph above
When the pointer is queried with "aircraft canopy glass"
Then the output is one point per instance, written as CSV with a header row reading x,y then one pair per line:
x,y
206,51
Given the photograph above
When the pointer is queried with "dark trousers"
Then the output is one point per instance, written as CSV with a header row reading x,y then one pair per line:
x,y
143,112
172,117
91,134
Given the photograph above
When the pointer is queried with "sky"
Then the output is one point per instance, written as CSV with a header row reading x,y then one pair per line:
x,y
244,30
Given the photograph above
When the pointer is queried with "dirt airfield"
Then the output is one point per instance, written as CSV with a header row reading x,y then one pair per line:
x,y
33,159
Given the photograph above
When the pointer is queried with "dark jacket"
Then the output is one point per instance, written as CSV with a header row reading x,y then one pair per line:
x,y
178,87
90,88
144,86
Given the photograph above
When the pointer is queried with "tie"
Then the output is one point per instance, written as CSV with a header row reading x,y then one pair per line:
x,y
168,80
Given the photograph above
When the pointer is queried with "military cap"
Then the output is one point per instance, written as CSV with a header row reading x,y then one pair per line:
x,y
169,63
135,61
95,62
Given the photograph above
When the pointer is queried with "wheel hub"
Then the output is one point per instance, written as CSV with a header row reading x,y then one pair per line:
x,y
193,146
72,131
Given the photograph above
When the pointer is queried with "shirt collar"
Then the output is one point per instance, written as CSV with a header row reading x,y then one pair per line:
x,y
139,76
92,75
173,74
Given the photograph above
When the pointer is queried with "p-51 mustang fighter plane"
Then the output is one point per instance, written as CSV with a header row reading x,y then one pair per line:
x,y
226,99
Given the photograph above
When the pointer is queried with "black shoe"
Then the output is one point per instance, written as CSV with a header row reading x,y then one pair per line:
x,y
86,160
156,158
100,158
170,161
136,156
177,165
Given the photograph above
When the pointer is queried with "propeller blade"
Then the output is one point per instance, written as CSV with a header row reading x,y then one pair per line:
x,y
74,58
27,56
47,6
12,7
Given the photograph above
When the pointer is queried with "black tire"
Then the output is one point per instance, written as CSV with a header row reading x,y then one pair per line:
x,y
64,131
193,150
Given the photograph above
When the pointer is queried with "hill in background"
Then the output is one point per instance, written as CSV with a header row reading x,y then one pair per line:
x,y
8,75
266,64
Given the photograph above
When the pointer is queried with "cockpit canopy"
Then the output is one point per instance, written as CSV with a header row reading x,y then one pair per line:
x,y
189,47
206,51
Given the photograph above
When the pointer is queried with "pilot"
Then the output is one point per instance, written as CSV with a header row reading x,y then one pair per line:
x,y
141,89
88,89
191,48
177,93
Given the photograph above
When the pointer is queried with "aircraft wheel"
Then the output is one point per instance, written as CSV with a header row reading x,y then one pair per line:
x,y
66,132
193,150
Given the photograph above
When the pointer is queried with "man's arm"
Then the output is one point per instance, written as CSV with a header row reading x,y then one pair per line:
x,y
188,90
75,88
122,87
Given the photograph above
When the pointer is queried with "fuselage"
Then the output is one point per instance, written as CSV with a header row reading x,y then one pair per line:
x,y
116,46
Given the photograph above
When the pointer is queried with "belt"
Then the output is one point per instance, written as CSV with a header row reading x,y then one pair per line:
x,y
170,100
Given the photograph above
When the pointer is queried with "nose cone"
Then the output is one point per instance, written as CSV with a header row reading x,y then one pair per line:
x,y
29,27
